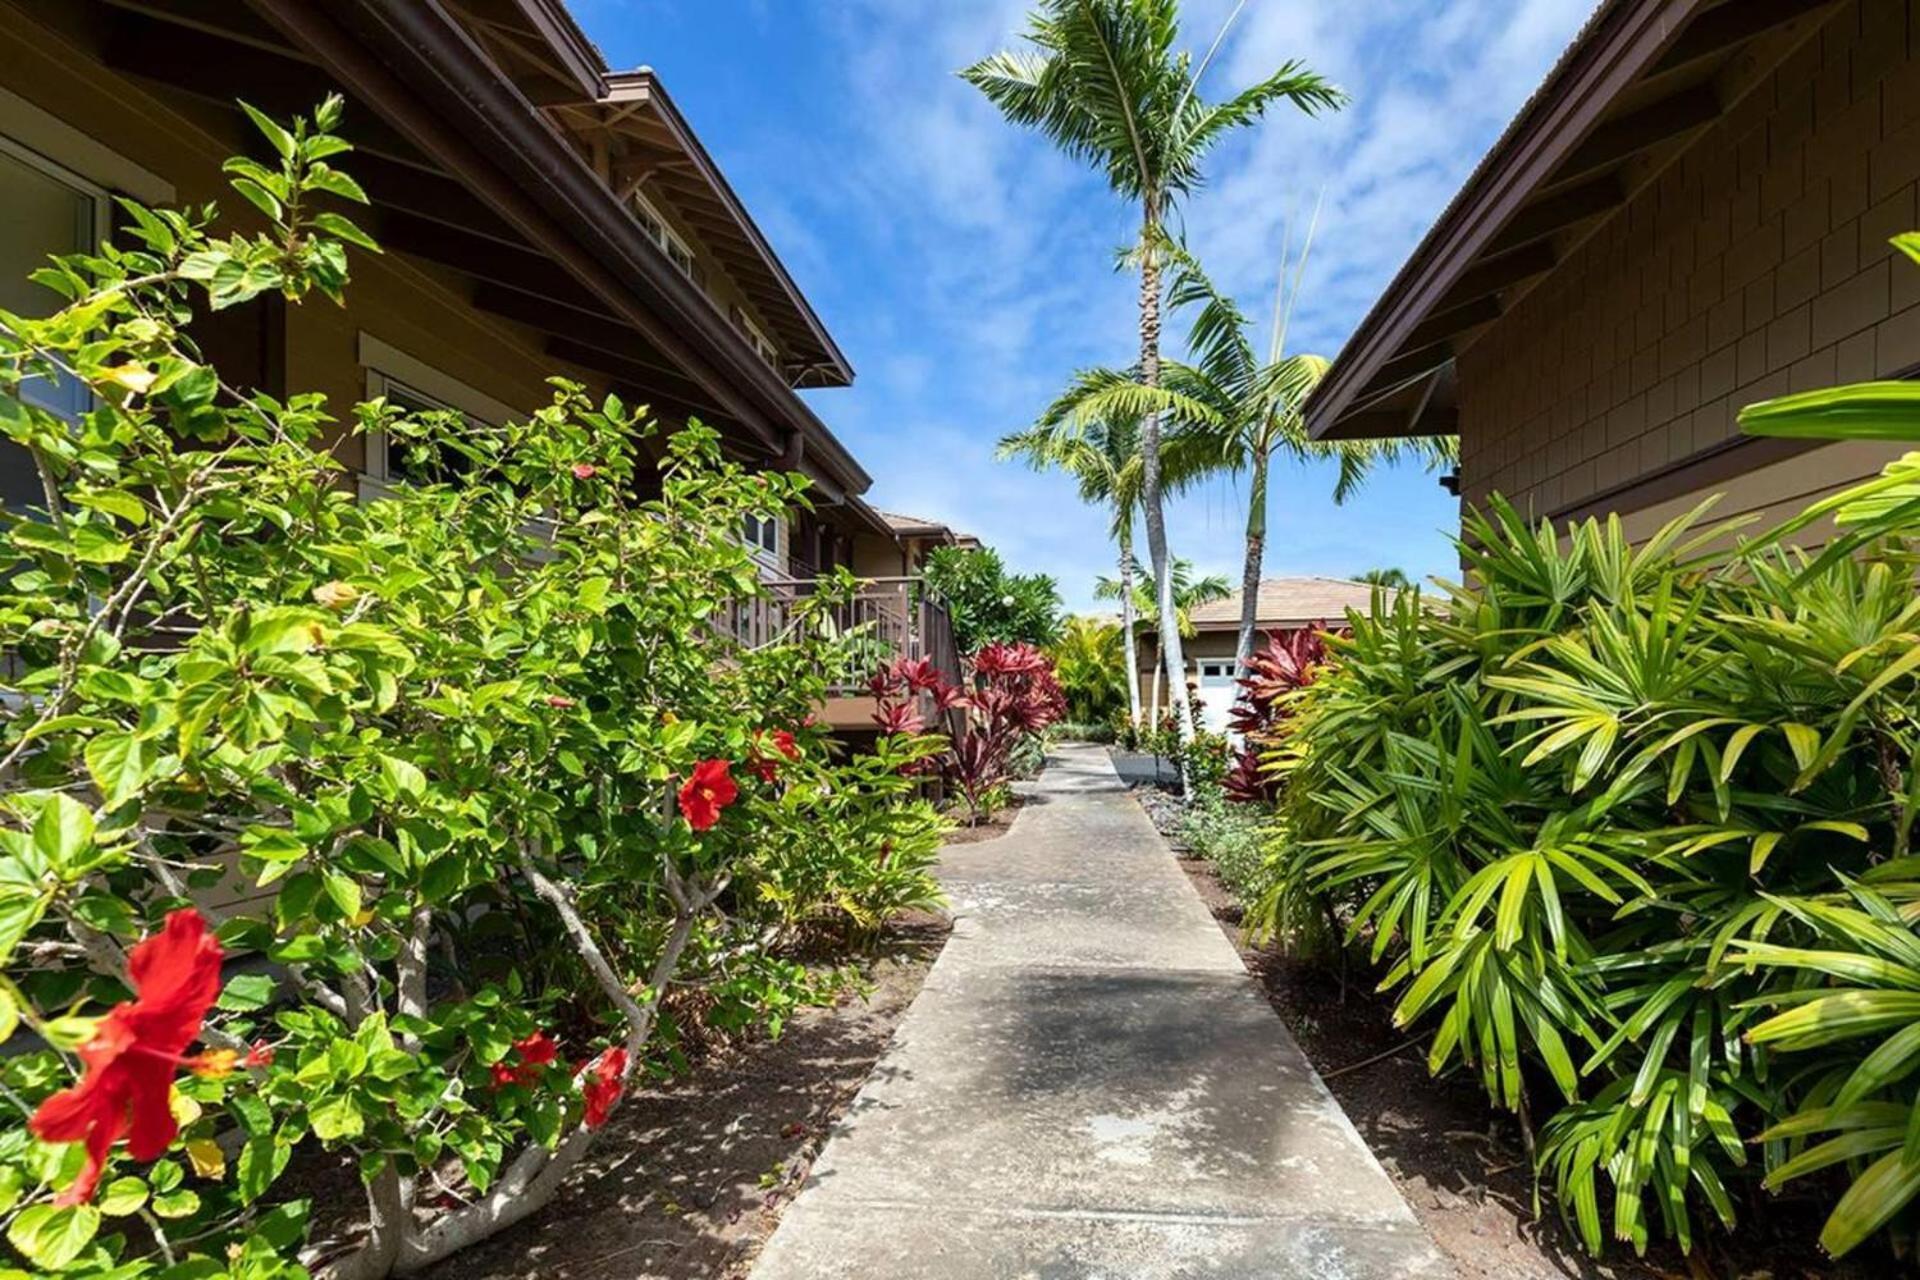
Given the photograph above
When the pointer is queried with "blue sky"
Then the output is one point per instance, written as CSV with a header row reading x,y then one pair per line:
x,y
967,269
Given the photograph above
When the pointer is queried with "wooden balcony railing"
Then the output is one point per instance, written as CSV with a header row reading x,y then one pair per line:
x,y
891,617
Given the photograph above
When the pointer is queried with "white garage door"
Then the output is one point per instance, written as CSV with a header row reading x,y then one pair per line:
x,y
1218,691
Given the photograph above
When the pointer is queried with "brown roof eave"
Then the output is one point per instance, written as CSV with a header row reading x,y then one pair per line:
x,y
564,37
625,86
873,520
573,217
1620,41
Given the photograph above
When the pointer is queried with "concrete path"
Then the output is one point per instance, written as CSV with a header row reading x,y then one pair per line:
x,y
1091,1088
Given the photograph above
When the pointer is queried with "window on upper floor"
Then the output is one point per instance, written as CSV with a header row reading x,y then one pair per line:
x,y
47,210
663,235
758,340
389,459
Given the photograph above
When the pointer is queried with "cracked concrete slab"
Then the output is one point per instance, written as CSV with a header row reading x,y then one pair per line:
x,y
1089,1086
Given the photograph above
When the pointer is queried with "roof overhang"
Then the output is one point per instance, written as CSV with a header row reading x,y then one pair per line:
x,y
1636,87
870,519
673,158
466,170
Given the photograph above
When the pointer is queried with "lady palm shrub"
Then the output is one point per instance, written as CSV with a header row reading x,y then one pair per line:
x,y
1627,831
473,780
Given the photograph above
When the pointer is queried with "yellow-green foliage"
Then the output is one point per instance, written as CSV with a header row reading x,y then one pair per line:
x,y
1626,831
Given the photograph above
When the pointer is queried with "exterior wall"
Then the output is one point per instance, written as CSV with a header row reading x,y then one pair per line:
x,y
1768,496
1756,265
1211,645
877,557
406,303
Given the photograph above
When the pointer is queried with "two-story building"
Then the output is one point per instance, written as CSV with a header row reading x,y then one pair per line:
x,y
542,214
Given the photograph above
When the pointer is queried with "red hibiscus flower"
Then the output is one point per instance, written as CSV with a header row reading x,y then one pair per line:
x,y
534,1052
583,471
707,792
131,1059
537,1050
559,701
603,1085
766,766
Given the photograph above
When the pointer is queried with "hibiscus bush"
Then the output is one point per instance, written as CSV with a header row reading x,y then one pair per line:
x,y
375,832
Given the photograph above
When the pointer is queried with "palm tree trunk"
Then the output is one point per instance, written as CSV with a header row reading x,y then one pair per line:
x,y
1171,654
1126,627
1256,552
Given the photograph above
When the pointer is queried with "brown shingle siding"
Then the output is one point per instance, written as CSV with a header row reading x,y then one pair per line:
x,y
1755,265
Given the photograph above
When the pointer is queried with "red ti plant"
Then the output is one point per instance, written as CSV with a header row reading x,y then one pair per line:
x,y
1012,693
1290,662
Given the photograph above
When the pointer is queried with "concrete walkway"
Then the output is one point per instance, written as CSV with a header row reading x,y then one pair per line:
x,y
1091,1088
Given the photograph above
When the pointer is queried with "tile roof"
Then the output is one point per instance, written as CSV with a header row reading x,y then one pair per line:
x,y
1297,601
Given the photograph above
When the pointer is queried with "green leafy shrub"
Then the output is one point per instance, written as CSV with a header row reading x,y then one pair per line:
x,y
1229,836
1090,661
474,774
1102,732
1593,819
988,605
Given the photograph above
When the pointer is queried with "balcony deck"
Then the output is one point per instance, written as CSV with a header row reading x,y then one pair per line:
x,y
892,615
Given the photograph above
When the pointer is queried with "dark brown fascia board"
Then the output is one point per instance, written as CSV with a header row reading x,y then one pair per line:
x,y
562,34
1731,23
1623,39
540,185
643,85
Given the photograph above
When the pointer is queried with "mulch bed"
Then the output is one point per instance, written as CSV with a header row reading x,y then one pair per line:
x,y
1460,1163
691,1179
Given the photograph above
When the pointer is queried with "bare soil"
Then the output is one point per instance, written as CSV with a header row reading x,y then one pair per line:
x,y
987,828
1462,1165
692,1178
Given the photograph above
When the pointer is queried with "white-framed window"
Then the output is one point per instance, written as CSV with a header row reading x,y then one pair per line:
x,y
48,209
762,536
762,345
414,386
663,235
1216,675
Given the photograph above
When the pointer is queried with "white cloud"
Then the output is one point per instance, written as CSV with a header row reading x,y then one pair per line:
x,y
967,268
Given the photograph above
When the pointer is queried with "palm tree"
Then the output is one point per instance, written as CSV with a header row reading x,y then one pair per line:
x,y
1104,457
1392,579
1103,81
1232,410
1189,594
1105,460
